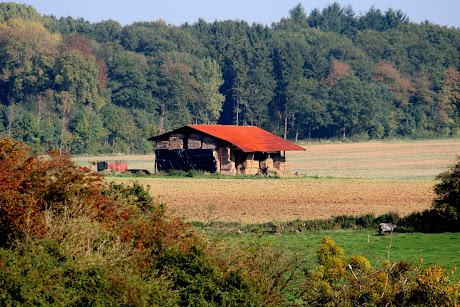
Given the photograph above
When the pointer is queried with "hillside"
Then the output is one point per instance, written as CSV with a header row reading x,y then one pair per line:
x,y
101,87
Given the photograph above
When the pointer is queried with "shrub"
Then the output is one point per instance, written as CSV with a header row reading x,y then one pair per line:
x,y
448,192
391,217
68,237
31,185
352,281
432,220
433,287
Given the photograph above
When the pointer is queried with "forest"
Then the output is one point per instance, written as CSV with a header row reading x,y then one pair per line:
x,y
88,88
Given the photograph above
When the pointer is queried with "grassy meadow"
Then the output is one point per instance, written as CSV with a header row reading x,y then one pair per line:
x,y
442,249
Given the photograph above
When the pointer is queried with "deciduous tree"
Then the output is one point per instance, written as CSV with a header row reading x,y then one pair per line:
x,y
209,102
401,86
448,191
179,91
28,53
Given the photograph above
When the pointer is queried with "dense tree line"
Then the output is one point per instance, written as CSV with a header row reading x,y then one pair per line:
x,y
101,87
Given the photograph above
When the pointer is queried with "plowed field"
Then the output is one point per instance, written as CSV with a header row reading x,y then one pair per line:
x,y
260,200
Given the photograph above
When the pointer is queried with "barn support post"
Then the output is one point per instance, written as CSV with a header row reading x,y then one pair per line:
x,y
220,159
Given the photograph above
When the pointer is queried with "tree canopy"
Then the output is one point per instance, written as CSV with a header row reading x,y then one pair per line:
x,y
330,73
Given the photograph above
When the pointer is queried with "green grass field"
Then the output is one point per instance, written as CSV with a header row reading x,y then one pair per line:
x,y
441,249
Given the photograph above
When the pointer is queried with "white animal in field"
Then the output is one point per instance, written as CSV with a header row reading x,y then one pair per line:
x,y
387,227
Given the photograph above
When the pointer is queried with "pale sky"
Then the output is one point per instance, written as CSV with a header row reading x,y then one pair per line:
x,y
177,12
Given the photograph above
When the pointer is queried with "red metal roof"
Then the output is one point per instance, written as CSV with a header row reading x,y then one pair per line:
x,y
248,138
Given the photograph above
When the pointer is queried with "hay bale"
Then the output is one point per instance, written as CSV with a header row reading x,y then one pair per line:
x,y
250,171
282,166
228,166
209,143
176,145
176,141
231,172
250,167
175,137
194,141
162,144
193,144
266,164
251,164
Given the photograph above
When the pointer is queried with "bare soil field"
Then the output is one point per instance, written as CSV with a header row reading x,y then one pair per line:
x,y
265,200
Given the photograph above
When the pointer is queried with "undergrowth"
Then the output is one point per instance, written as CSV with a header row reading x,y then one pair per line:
x,y
431,220
69,238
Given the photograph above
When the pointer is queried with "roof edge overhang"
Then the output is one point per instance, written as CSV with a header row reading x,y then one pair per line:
x,y
161,136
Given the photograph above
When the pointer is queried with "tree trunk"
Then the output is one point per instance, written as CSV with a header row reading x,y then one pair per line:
x,y
285,126
162,118
39,108
237,113
297,131
10,117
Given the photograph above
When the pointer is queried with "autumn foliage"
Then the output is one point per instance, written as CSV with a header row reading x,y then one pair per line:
x,y
337,71
68,237
107,244
32,186
401,87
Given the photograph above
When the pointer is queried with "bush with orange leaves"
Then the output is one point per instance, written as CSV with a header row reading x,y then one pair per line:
x,y
31,186
36,192
67,237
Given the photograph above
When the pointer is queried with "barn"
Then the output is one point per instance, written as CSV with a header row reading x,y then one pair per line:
x,y
231,150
